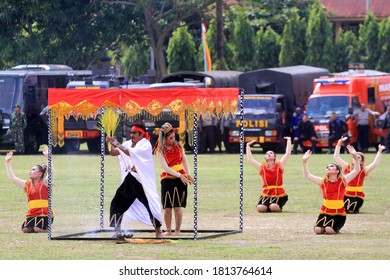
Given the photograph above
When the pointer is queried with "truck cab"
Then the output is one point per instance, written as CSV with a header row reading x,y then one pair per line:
x,y
342,94
264,121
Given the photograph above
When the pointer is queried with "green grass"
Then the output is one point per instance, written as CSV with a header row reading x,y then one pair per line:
x,y
273,236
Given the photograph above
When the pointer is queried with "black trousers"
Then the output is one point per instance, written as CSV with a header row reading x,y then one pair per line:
x,y
363,141
125,195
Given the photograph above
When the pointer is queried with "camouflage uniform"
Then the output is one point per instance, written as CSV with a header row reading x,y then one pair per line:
x,y
18,123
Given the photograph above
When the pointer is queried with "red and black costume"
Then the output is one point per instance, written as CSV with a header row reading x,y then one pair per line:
x,y
354,195
273,191
173,190
37,195
332,213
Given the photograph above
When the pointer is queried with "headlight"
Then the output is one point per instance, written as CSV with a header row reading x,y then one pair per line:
x,y
235,133
269,133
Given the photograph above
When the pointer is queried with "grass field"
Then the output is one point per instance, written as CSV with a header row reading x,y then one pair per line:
x,y
281,236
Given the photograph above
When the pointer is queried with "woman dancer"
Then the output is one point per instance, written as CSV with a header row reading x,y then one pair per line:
x,y
332,213
354,195
273,196
174,178
36,188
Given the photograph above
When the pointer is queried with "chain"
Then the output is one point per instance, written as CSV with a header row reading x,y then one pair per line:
x,y
49,179
102,151
195,146
241,159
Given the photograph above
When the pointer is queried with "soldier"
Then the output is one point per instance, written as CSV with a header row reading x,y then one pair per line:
x,y
18,123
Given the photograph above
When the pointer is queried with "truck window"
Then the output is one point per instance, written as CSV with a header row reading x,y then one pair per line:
x,y
7,93
325,105
259,106
371,95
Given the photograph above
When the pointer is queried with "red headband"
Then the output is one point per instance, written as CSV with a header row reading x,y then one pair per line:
x,y
139,129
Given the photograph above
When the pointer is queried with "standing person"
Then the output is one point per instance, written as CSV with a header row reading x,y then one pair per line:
x,y
296,118
337,129
354,195
36,189
18,123
352,130
305,132
174,178
363,125
332,213
386,125
137,194
225,129
209,133
273,196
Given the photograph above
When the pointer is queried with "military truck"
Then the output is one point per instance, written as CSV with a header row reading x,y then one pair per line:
x,y
270,98
27,85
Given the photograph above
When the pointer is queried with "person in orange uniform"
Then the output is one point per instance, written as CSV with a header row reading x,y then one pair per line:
x,y
354,195
352,130
332,215
273,196
36,188
174,178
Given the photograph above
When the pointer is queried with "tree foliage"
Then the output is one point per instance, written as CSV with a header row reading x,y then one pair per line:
x,y
384,43
292,41
319,38
181,51
345,51
160,18
76,33
243,42
368,40
267,49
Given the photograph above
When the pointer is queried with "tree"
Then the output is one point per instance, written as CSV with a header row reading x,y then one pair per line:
x,y
319,38
243,43
346,50
135,60
76,33
292,42
383,38
368,40
267,49
160,18
181,51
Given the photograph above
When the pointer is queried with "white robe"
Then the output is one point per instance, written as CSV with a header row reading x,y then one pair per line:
x,y
142,158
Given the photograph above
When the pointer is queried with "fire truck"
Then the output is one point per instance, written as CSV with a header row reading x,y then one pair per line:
x,y
342,94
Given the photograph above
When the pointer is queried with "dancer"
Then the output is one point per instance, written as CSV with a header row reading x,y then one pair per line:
x,y
332,213
174,178
273,196
36,188
354,195
137,194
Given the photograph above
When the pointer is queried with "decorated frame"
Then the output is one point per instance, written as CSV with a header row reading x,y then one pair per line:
x,y
86,103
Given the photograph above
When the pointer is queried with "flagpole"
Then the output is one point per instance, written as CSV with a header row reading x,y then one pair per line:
x,y
204,47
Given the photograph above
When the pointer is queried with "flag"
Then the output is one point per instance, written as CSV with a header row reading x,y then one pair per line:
x,y
206,51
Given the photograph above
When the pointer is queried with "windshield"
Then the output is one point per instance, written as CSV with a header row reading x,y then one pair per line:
x,y
259,106
8,87
324,106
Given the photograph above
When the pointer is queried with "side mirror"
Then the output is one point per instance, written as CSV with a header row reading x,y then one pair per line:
x,y
350,110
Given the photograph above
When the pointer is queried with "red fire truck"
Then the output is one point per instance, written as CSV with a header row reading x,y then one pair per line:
x,y
342,94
